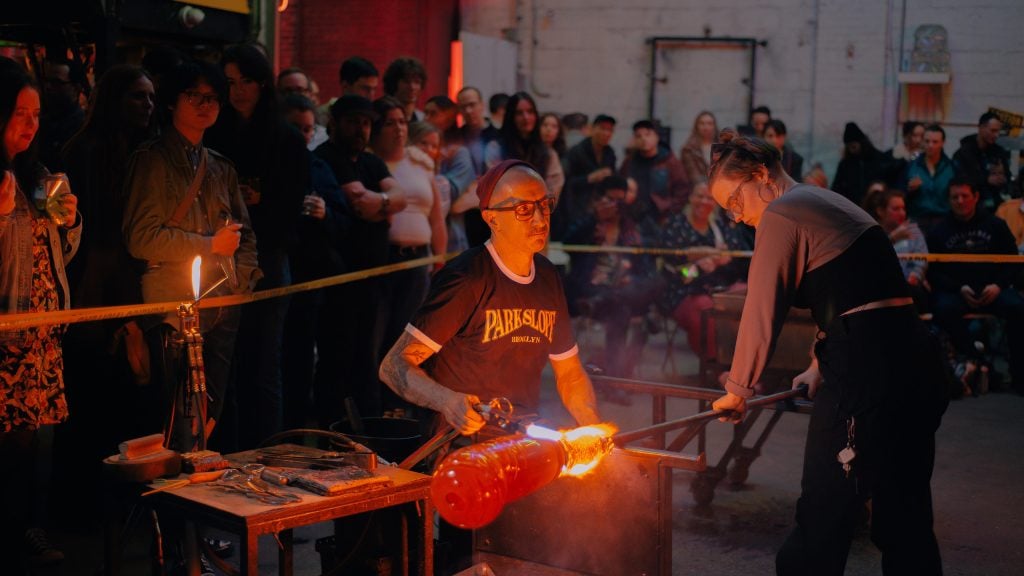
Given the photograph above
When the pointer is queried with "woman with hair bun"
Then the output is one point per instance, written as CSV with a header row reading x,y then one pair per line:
x,y
876,377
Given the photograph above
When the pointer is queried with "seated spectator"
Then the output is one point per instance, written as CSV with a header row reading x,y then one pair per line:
x,y
927,180
577,127
587,164
961,288
693,279
900,156
696,152
775,134
358,76
887,205
661,182
1012,212
861,164
985,163
609,287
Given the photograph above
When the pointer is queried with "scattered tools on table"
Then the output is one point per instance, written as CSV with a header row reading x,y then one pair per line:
x,y
164,484
296,456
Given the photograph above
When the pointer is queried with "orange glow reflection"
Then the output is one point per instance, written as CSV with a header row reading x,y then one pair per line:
x,y
584,446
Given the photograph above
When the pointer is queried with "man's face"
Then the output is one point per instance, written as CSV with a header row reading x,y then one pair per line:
x,y
519,185
962,201
353,132
989,132
601,133
758,121
294,83
58,88
933,142
196,108
441,119
646,141
365,87
408,90
472,109
774,138
894,213
303,121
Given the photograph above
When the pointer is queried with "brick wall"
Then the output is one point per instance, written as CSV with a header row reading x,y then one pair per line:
x,y
319,34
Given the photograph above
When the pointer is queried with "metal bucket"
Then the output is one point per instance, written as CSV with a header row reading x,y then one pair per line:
x,y
391,438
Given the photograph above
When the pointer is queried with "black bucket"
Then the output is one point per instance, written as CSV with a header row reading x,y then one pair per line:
x,y
391,438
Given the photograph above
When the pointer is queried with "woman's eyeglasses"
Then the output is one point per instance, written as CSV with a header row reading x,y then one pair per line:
x,y
524,209
199,99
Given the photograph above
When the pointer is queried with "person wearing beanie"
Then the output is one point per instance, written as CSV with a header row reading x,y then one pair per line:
x,y
861,164
494,317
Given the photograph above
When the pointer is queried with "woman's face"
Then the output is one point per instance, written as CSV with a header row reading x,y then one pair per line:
x,y
702,205
23,124
706,128
894,213
549,130
431,144
394,132
744,199
243,92
526,118
137,104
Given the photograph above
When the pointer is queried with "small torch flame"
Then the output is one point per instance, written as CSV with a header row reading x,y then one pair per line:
x,y
197,264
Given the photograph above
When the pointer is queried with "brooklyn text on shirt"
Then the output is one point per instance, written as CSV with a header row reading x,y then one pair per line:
x,y
503,322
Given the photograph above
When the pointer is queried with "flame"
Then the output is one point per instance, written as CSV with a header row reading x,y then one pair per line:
x,y
197,264
585,446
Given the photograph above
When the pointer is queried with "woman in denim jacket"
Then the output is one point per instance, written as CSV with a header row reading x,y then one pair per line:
x,y
34,250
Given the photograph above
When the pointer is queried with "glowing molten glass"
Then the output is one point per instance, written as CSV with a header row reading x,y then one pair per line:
x,y
473,484
197,265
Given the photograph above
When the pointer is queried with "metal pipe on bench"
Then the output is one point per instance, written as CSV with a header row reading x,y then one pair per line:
x,y
626,437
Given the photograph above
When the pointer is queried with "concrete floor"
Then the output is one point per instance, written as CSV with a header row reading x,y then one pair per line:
x,y
979,506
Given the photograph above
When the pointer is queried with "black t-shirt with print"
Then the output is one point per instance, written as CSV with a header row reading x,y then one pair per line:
x,y
491,331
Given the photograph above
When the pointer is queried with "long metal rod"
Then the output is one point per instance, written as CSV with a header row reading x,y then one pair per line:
x,y
627,437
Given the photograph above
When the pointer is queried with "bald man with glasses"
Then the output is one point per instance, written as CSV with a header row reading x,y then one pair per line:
x,y
495,316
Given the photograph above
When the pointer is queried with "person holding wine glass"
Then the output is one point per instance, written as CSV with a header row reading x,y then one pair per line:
x,y
36,243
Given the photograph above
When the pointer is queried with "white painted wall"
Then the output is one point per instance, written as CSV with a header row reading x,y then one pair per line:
x,y
827,62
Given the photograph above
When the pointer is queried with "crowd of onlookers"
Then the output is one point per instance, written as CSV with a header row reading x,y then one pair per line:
x,y
177,157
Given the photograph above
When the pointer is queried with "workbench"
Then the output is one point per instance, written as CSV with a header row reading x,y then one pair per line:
x,y
208,506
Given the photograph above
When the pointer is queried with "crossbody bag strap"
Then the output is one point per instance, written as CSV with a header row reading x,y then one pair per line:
x,y
190,194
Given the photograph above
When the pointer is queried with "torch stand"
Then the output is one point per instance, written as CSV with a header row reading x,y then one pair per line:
x,y
190,391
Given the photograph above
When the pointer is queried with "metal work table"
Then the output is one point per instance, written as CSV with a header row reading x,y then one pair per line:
x,y
206,505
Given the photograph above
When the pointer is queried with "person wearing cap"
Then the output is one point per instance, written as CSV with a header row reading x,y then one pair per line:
x,y
587,164
349,346
494,317
661,182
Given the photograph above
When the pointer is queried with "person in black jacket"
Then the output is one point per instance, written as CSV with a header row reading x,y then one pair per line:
x,y
961,288
587,164
273,172
985,163
861,165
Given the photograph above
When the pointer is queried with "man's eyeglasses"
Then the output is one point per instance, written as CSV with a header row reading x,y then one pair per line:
x,y
524,209
199,99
